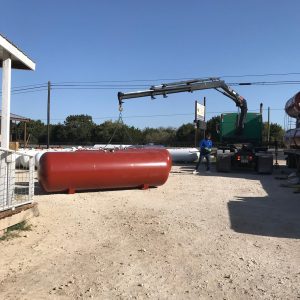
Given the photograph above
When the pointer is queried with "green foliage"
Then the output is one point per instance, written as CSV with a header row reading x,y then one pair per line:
x,y
212,126
14,231
81,130
118,133
103,132
36,131
160,136
58,133
185,135
276,133
22,226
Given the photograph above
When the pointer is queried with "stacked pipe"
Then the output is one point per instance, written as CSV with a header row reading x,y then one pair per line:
x,y
292,108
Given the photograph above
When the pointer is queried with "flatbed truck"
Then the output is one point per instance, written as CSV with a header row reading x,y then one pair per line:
x,y
238,131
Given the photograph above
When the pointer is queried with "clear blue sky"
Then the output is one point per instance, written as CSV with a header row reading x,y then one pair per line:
x,y
95,40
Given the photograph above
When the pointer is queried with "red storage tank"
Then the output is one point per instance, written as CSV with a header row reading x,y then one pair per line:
x,y
86,170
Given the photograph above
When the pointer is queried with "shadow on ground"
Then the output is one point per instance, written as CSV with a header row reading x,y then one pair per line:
x,y
276,215
38,190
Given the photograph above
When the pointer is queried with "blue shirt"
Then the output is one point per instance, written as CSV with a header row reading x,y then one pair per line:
x,y
205,144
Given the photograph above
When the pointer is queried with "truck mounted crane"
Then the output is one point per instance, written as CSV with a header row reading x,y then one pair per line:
x,y
191,86
245,148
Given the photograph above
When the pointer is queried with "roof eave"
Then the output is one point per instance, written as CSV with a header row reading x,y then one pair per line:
x,y
20,60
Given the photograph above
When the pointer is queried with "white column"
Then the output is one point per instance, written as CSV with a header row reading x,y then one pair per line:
x,y
6,87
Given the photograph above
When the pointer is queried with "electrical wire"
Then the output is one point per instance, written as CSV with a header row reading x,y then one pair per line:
x,y
30,85
28,88
91,88
261,75
166,115
105,82
181,78
113,86
132,87
30,91
265,83
94,84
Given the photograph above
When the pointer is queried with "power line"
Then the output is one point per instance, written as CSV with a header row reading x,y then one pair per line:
x,y
261,75
31,85
31,91
164,115
162,79
91,88
28,88
113,86
122,81
131,87
182,78
265,83
94,86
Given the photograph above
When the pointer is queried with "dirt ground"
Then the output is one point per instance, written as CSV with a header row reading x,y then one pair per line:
x,y
207,236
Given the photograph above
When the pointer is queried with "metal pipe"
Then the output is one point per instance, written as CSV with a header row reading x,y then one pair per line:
x,y
268,139
292,106
48,115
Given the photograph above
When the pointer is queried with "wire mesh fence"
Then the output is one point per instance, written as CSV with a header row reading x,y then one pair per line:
x,y
16,179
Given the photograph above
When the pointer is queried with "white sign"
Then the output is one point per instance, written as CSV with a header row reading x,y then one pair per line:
x,y
200,111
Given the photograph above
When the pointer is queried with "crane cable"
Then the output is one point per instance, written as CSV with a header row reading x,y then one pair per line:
x,y
119,122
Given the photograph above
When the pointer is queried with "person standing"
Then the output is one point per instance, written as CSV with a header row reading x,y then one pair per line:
x,y
205,151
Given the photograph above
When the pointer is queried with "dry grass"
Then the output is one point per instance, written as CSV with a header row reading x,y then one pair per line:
x,y
15,230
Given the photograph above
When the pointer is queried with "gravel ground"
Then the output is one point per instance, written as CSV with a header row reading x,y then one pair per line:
x,y
207,236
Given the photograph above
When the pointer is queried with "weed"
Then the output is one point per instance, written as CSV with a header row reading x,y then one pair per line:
x,y
14,231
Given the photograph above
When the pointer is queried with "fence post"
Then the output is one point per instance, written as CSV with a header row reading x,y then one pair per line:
x,y
31,179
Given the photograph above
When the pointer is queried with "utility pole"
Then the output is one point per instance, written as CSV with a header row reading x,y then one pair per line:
x,y
204,119
261,108
196,125
48,115
268,139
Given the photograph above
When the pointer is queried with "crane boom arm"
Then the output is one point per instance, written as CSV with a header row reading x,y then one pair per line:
x,y
190,86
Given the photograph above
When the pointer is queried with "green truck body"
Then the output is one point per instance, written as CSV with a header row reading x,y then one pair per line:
x,y
252,132
243,149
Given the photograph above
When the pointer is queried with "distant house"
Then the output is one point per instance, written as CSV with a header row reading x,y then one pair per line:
x,y
11,57
14,120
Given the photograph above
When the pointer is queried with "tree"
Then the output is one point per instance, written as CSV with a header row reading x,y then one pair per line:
x,y
276,133
161,135
79,128
59,134
117,133
185,135
36,131
212,126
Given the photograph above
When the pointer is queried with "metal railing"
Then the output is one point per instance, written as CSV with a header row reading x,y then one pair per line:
x,y
16,179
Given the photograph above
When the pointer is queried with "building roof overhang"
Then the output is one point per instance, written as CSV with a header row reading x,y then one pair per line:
x,y
19,60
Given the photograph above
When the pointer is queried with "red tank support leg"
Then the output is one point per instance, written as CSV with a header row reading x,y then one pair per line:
x,y
71,191
145,186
